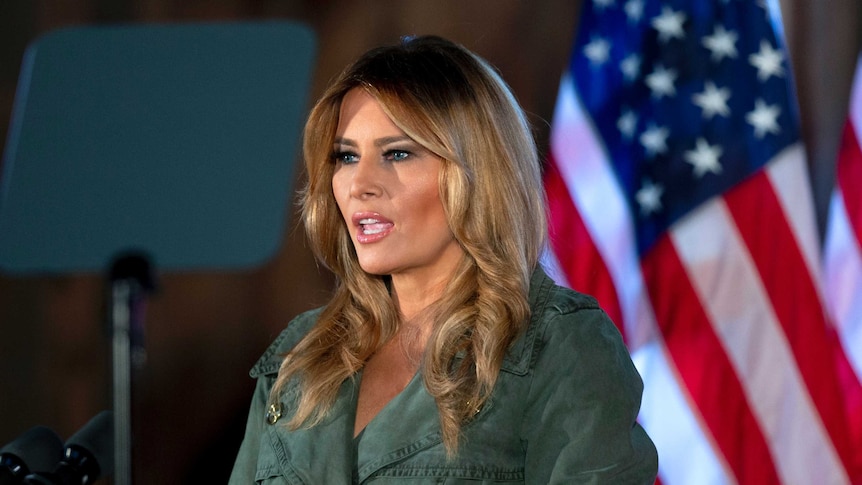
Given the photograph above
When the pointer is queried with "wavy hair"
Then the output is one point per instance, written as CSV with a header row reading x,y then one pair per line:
x,y
454,104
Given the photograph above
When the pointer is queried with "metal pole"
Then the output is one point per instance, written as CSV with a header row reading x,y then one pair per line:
x,y
132,280
122,380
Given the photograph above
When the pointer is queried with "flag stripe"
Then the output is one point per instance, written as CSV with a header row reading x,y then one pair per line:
x,y
798,203
843,277
849,175
796,302
701,361
686,454
725,275
577,256
788,173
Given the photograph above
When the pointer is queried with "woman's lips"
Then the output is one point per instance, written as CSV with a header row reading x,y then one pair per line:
x,y
371,227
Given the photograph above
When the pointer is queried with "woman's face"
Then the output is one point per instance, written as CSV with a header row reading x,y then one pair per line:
x,y
386,186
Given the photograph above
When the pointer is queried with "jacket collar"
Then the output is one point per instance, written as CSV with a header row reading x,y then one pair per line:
x,y
272,358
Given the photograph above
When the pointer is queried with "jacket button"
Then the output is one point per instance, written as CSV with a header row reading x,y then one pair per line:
x,y
273,413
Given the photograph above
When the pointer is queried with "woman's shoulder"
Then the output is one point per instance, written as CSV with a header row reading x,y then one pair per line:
x,y
563,317
563,322
571,339
557,308
572,322
271,359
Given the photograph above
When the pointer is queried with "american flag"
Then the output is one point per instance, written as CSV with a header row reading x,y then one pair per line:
x,y
679,197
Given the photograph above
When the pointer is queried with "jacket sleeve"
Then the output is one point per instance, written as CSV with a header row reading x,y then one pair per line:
x,y
245,466
580,426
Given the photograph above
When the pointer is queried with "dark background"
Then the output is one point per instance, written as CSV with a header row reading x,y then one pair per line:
x,y
206,329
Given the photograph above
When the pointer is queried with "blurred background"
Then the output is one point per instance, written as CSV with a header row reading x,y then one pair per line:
x,y
205,330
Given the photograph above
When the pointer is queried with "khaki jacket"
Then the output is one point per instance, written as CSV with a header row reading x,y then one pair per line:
x,y
563,411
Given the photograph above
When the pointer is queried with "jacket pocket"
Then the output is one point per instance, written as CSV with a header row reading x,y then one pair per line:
x,y
270,470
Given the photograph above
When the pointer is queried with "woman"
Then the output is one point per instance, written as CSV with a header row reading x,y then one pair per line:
x,y
446,355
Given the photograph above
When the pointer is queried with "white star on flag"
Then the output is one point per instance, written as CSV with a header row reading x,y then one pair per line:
x,y
631,66
767,61
660,82
669,24
634,10
598,51
649,197
722,43
704,157
713,101
627,123
654,140
764,118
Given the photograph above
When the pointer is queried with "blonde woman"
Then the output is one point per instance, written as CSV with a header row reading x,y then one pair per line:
x,y
446,355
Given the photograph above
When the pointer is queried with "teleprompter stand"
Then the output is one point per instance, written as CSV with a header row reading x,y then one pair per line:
x,y
132,148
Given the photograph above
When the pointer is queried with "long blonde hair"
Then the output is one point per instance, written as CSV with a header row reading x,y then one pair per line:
x,y
454,104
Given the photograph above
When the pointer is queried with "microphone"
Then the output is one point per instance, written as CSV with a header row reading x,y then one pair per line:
x,y
37,450
88,455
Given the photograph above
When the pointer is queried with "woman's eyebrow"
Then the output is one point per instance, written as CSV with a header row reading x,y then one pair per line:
x,y
386,140
380,142
344,141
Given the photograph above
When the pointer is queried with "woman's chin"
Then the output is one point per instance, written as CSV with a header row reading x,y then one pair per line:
x,y
375,267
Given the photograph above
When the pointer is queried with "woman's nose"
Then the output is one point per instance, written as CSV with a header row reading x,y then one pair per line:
x,y
366,181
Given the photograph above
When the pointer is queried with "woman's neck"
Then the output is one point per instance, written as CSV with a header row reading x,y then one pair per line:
x,y
413,297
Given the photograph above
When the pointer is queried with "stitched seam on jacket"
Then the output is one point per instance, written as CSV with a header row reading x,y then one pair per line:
x,y
451,472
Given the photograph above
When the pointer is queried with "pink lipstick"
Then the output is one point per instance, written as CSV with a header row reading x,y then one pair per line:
x,y
371,227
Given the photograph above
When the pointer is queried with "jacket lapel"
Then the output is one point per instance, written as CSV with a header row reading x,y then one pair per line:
x,y
407,425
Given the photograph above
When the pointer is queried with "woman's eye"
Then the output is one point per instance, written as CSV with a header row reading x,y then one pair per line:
x,y
345,157
397,155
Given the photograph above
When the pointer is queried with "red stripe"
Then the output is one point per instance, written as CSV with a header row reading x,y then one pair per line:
x,y
704,367
573,246
850,176
771,242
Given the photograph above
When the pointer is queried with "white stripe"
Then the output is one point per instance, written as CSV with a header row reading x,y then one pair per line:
x,y
856,100
684,455
788,175
595,192
731,292
843,281
585,170
551,265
